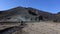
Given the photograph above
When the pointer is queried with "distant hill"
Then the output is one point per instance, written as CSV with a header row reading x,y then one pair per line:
x,y
27,14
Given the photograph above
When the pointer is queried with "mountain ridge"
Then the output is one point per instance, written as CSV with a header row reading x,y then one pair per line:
x,y
24,12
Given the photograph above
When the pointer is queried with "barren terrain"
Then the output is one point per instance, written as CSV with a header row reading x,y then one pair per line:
x,y
42,28
37,28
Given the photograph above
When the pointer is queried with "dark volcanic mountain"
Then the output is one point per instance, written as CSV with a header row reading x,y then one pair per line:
x,y
27,14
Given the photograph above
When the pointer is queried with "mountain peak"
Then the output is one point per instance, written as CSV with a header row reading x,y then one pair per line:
x,y
29,13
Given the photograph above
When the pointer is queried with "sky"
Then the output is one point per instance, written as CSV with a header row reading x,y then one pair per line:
x,y
52,6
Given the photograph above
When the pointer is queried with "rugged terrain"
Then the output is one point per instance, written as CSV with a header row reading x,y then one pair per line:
x,y
41,28
22,20
27,14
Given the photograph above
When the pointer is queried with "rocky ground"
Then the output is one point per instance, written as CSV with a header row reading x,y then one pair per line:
x,y
39,28
42,28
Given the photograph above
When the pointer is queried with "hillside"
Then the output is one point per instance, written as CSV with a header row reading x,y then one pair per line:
x,y
22,20
26,14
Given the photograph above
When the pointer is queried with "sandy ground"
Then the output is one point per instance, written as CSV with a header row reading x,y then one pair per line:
x,y
42,28
37,28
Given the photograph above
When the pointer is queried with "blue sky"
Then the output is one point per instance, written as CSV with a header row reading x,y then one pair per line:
x,y
52,6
